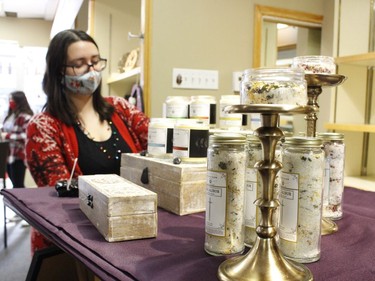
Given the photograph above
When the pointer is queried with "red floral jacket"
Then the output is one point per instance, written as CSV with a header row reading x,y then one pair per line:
x,y
17,138
51,146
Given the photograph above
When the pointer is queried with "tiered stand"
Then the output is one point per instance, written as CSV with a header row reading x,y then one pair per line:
x,y
315,82
265,262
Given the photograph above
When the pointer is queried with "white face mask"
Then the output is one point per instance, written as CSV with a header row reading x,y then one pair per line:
x,y
85,84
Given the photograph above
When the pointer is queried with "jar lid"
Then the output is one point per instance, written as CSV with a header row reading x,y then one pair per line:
x,y
314,59
274,74
203,97
233,138
330,136
192,123
178,99
303,141
163,121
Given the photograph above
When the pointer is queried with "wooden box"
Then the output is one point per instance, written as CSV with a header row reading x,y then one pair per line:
x,y
181,188
119,209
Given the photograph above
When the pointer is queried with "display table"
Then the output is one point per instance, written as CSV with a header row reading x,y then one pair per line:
x,y
177,253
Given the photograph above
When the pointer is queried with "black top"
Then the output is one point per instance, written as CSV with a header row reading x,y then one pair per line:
x,y
100,157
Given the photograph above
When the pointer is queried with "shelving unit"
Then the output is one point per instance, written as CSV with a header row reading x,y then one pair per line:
x,y
367,59
347,127
120,83
362,181
125,77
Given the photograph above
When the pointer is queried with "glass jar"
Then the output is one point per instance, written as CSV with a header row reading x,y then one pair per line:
x,y
334,147
315,64
300,198
224,223
160,137
176,107
279,86
203,107
231,121
190,140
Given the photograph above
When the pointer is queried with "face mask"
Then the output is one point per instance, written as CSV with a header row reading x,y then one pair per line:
x,y
12,104
85,84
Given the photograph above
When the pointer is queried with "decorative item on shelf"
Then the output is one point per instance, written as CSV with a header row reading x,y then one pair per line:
x,y
131,60
121,63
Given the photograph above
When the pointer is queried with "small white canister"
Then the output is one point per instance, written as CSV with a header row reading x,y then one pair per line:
x,y
176,107
160,137
190,140
203,107
231,121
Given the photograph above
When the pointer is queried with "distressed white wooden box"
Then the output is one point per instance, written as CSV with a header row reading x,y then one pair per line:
x,y
118,208
181,188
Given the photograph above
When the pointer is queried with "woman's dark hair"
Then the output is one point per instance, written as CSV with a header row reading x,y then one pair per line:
x,y
58,104
22,105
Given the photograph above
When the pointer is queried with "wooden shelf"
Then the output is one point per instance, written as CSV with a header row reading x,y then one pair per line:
x,y
367,59
125,76
364,183
364,128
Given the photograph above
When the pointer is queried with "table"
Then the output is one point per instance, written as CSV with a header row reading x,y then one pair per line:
x,y
177,253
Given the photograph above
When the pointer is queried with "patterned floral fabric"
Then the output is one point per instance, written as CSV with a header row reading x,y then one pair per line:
x,y
17,137
52,146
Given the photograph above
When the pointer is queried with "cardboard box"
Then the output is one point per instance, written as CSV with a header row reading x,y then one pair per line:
x,y
119,209
181,188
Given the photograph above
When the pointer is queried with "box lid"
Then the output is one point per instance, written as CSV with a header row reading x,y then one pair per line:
x,y
119,195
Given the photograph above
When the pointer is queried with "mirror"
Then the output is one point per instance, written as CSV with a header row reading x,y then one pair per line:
x,y
281,34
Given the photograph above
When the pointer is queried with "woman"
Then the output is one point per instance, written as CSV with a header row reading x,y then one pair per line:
x,y
14,130
77,121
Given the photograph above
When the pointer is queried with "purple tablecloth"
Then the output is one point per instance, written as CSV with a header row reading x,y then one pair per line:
x,y
177,253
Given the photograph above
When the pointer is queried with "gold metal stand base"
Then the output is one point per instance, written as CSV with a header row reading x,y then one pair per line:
x,y
328,227
264,262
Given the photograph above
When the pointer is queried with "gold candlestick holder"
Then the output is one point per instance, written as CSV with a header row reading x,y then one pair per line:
x,y
315,83
265,262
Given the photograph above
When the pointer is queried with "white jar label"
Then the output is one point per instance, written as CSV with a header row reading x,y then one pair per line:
x,y
289,206
190,143
200,111
251,190
177,111
159,140
229,119
216,195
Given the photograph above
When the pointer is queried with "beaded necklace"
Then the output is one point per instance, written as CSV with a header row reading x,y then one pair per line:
x,y
107,146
